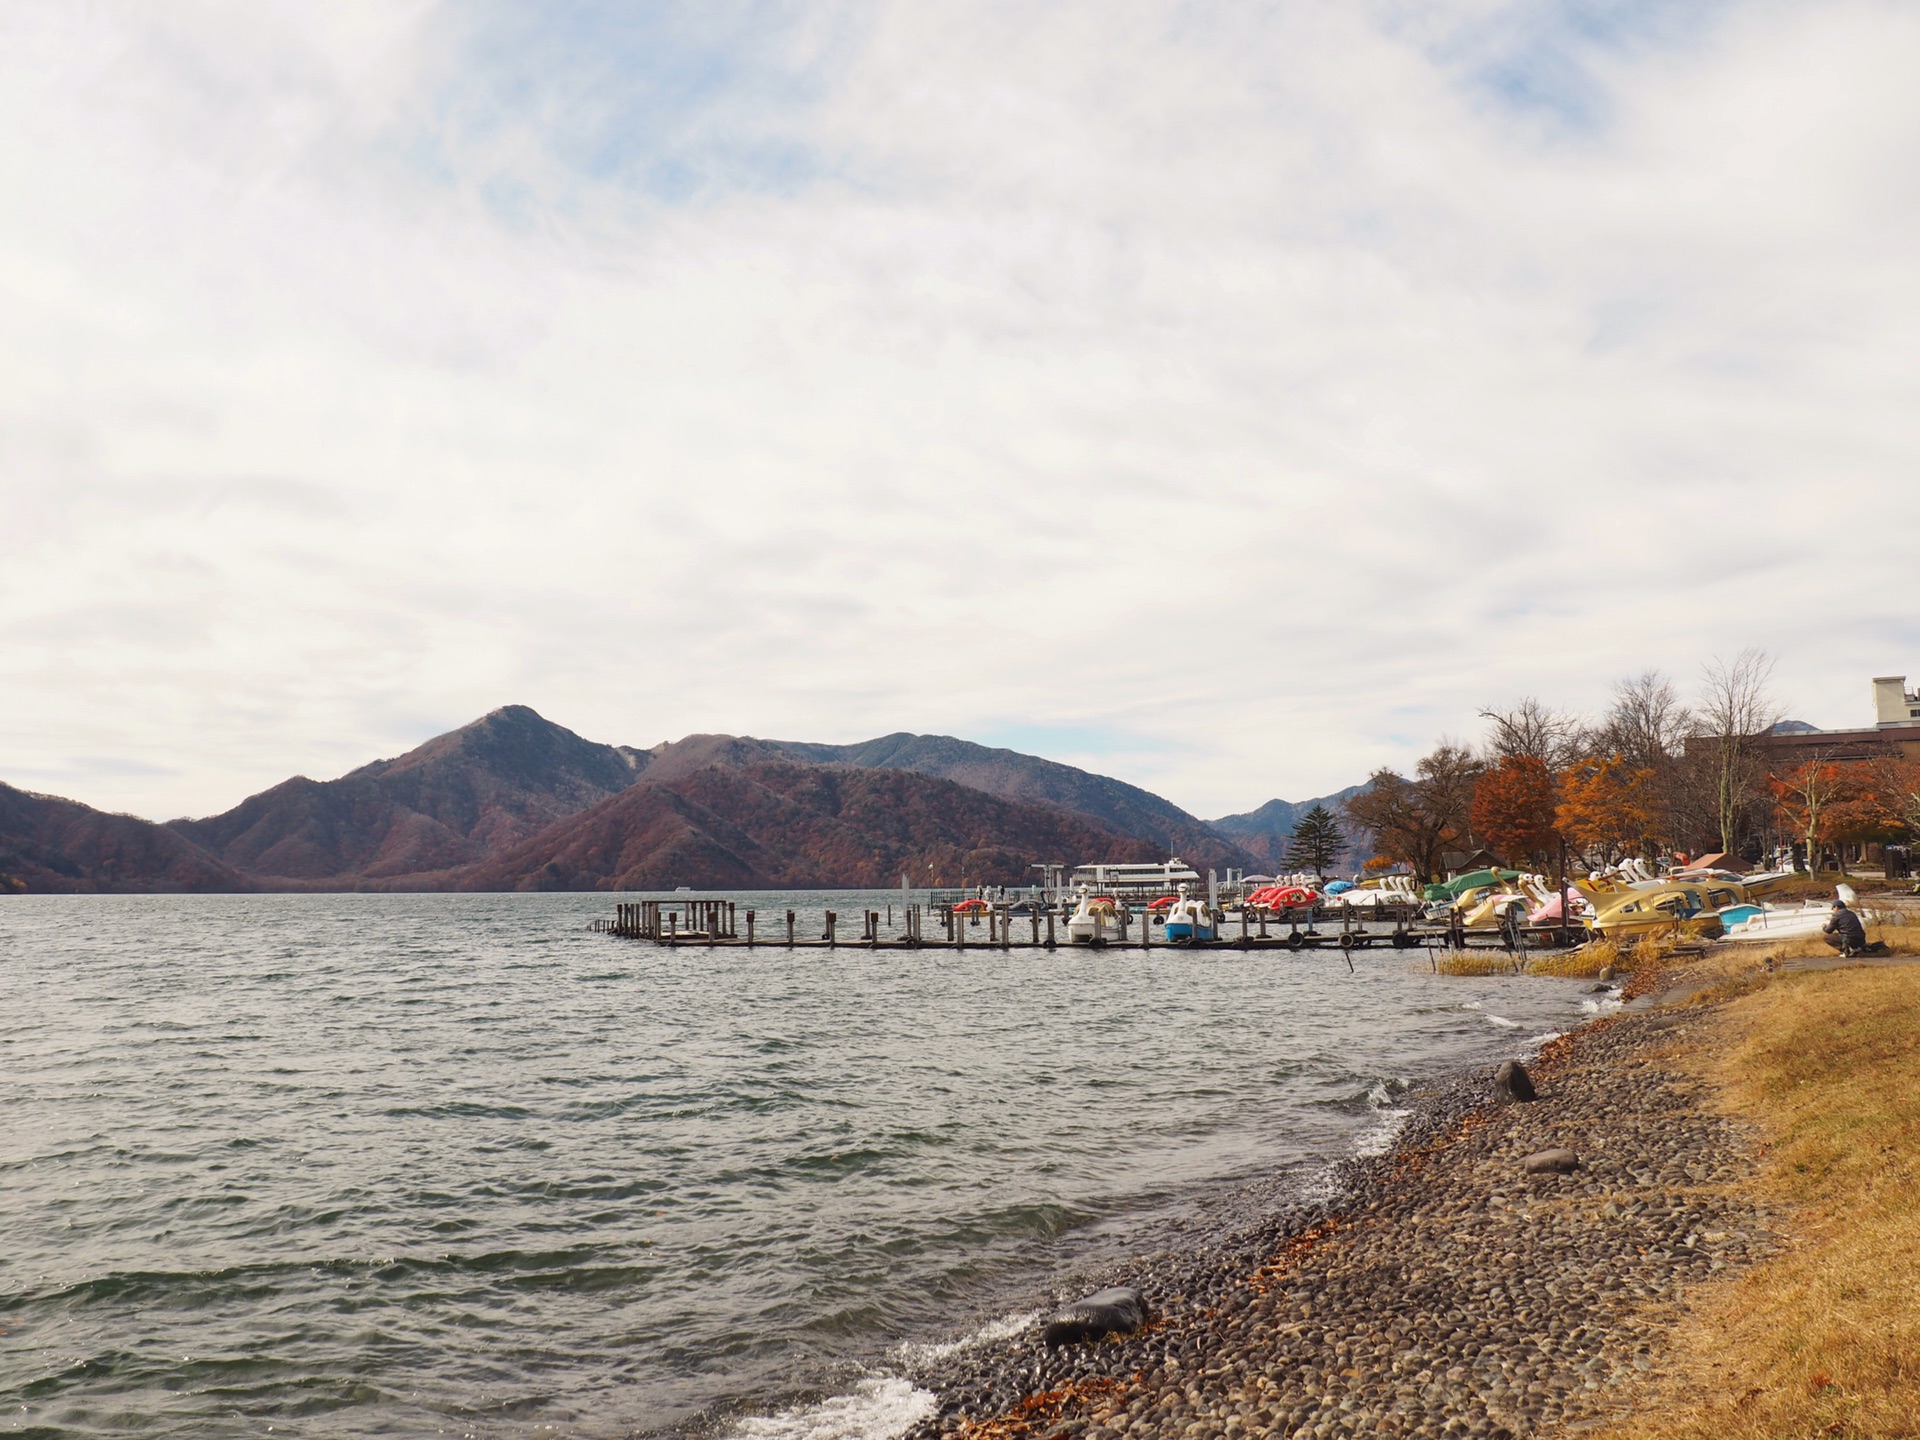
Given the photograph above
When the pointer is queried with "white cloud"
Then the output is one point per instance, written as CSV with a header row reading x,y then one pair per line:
x,y
1266,391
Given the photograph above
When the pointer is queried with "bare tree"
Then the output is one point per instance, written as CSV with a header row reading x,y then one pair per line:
x,y
1736,711
1646,725
1533,731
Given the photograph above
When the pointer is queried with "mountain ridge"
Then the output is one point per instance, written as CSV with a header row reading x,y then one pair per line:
x,y
462,809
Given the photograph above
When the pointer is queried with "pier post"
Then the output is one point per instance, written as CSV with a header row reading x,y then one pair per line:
x,y
673,926
789,927
1243,924
832,916
749,929
957,924
1006,930
1049,927
1263,922
1034,915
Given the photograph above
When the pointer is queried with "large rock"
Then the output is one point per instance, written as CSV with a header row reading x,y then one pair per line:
x,y
1108,1312
1552,1162
1511,1082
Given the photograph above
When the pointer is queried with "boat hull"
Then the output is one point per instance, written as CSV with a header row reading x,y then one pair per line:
x,y
1185,931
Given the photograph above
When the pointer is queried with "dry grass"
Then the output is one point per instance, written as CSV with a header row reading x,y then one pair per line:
x,y
1583,963
1824,1338
1482,962
1607,953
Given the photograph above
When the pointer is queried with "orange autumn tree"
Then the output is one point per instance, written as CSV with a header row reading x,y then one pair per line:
x,y
1807,796
1606,809
1514,809
1868,807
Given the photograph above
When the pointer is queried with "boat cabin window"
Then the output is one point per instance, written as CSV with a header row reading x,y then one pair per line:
x,y
1693,900
1719,898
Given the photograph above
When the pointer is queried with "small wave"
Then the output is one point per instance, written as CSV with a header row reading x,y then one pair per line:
x,y
1469,1004
1503,1022
1378,1138
1005,1328
1545,1039
1383,1091
876,1409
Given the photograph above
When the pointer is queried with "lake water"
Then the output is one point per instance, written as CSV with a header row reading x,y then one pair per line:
x,y
357,1165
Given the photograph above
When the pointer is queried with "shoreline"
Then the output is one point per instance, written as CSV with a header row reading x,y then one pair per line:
x,y
1435,1288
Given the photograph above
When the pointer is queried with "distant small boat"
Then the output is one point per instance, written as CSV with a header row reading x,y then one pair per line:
x,y
1188,920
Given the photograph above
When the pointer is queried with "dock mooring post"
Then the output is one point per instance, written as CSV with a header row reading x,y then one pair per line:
x,y
749,929
1049,927
1565,939
789,927
832,916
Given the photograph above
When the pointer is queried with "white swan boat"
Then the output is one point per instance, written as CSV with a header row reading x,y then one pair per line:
x,y
1096,920
1188,920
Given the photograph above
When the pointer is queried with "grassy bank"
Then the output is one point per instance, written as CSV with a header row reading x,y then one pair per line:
x,y
1823,1339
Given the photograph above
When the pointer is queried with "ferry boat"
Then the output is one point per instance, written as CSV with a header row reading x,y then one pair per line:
x,y
1134,882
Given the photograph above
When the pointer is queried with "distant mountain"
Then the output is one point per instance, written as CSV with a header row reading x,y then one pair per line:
x,y
457,799
1267,830
1029,780
782,824
50,844
515,801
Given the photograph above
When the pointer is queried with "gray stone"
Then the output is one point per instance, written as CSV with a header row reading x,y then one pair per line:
x,y
1512,1083
1552,1162
1107,1312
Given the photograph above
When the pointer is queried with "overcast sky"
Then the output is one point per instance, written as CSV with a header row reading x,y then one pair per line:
x,y
1232,398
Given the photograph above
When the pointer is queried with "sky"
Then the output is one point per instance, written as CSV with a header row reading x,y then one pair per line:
x,y
1230,398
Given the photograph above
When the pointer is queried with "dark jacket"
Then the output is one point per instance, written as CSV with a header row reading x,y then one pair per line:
x,y
1845,927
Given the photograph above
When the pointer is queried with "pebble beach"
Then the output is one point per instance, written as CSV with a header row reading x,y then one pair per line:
x,y
1438,1289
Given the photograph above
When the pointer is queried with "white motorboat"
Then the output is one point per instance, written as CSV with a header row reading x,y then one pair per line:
x,y
1752,922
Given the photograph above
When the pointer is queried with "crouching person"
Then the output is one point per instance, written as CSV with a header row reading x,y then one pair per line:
x,y
1844,931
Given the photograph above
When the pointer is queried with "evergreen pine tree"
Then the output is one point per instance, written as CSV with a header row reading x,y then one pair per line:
x,y
1316,842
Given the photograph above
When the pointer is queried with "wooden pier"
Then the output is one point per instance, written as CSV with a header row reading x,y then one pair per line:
x,y
720,923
